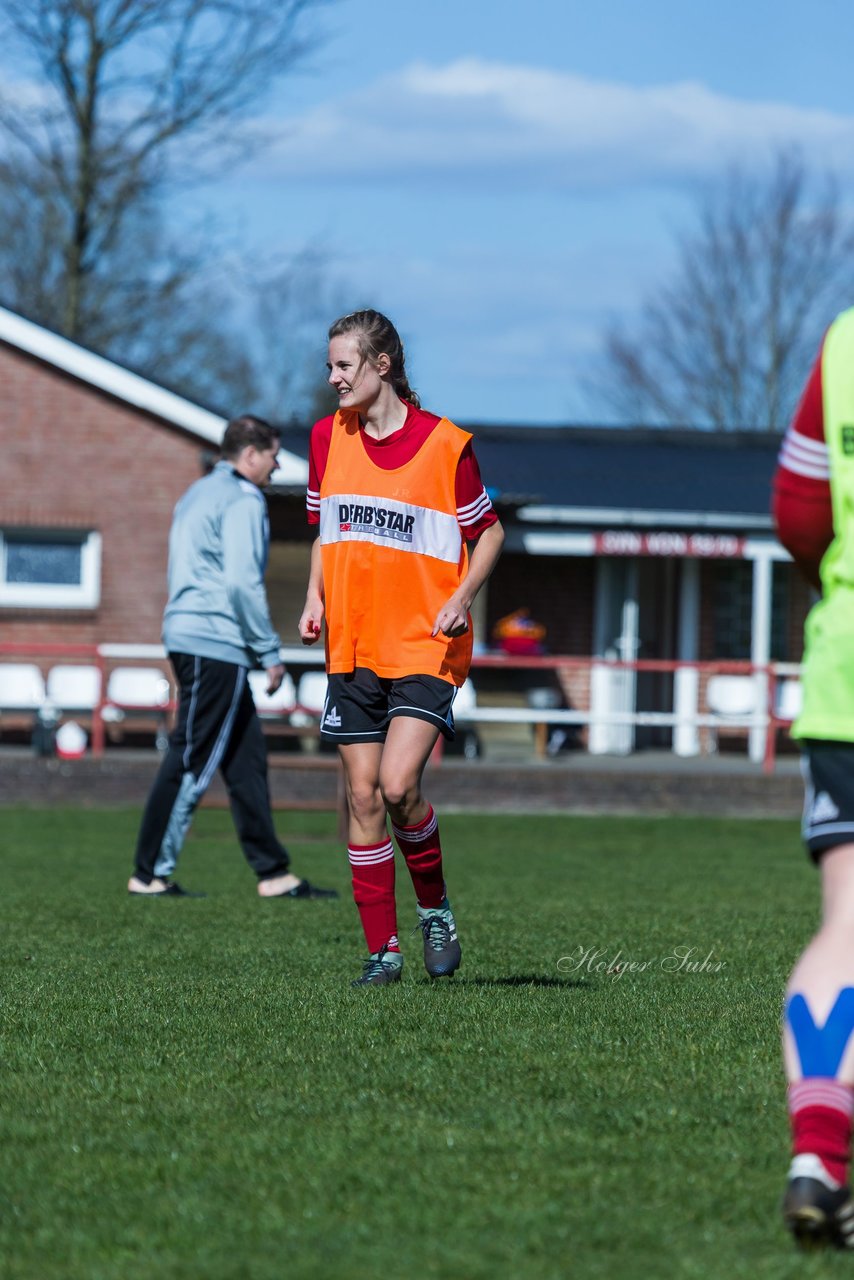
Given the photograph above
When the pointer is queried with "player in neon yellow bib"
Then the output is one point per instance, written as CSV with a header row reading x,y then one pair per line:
x,y
818,1035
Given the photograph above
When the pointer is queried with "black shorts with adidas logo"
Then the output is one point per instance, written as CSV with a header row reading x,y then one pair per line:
x,y
360,705
828,769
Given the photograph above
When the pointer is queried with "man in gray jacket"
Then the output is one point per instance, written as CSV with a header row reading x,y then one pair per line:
x,y
216,628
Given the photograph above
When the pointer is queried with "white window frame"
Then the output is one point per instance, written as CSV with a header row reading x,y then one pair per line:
x,y
42,595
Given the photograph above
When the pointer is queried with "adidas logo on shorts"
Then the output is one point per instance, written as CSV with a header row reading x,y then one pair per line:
x,y
332,718
823,809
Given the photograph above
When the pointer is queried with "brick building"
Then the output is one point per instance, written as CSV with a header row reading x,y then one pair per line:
x,y
95,459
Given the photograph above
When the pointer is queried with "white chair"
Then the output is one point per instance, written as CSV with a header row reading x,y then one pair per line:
x,y
74,688
465,704
465,700
280,703
131,693
790,697
138,688
21,686
311,696
733,699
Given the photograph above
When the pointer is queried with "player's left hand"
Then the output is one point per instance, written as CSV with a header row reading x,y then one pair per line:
x,y
451,620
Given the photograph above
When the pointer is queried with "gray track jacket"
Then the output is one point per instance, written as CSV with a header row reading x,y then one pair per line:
x,y
218,547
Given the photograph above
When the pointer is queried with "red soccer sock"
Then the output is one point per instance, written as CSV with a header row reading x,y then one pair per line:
x,y
422,849
372,867
820,1112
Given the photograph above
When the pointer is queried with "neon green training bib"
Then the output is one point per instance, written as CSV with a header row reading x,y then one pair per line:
x,y
828,677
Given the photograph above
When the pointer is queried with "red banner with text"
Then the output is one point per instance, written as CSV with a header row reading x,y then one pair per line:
x,y
708,546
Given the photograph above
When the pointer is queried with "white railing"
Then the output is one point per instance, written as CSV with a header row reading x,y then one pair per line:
x,y
757,701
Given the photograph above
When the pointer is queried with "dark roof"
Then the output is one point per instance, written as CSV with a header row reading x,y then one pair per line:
x,y
626,468
620,468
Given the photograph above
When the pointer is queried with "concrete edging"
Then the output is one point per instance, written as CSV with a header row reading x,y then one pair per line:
x,y
312,782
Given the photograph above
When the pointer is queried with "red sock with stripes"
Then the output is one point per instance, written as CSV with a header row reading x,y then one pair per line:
x,y
372,868
820,1112
422,849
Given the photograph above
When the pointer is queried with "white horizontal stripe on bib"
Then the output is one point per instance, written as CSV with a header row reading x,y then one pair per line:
x,y
348,517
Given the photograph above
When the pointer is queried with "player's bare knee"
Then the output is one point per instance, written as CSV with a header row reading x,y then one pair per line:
x,y
400,799
365,803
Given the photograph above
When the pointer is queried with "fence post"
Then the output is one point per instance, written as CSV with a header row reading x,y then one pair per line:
x,y
686,686
757,740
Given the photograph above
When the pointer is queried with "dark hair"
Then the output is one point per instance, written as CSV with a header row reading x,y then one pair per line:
x,y
246,430
376,336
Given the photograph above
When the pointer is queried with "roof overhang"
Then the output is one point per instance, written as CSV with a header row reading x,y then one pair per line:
x,y
130,388
616,517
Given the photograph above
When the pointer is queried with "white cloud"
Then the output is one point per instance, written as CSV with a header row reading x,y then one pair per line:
x,y
494,122
494,331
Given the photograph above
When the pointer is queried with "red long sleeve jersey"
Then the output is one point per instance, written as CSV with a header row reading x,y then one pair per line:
x,y
802,505
474,508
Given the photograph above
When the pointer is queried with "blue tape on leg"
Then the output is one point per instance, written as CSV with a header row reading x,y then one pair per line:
x,y
821,1048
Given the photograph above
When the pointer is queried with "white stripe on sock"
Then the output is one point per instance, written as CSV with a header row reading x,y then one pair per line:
x,y
367,857
821,1092
408,836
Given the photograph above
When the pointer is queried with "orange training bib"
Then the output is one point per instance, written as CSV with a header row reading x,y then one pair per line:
x,y
392,555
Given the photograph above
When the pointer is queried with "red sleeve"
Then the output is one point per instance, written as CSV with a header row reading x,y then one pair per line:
x,y
474,508
802,507
318,452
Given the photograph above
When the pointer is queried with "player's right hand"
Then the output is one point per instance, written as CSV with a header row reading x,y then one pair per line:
x,y
310,623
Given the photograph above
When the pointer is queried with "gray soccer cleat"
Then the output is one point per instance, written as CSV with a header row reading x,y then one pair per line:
x,y
380,968
442,952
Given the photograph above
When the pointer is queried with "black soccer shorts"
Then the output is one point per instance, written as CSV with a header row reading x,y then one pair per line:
x,y
828,769
360,705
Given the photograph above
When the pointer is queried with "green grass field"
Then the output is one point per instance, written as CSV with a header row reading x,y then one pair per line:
x,y
191,1088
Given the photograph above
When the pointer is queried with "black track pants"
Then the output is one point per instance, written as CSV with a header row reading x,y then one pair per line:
x,y
217,728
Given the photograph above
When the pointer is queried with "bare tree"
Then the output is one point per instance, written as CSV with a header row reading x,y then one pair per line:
x,y
726,342
251,334
293,307
124,98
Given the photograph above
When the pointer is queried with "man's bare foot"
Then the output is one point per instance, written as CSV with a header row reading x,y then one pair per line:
x,y
135,885
278,885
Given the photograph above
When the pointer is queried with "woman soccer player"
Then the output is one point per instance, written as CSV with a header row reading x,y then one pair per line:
x,y
397,494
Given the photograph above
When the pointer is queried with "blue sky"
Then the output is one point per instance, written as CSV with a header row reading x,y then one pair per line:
x,y
504,177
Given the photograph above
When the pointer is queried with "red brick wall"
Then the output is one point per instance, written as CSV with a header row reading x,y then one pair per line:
x,y
74,457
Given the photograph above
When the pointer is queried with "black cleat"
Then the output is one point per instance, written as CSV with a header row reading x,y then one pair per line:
x,y
306,890
172,890
817,1216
